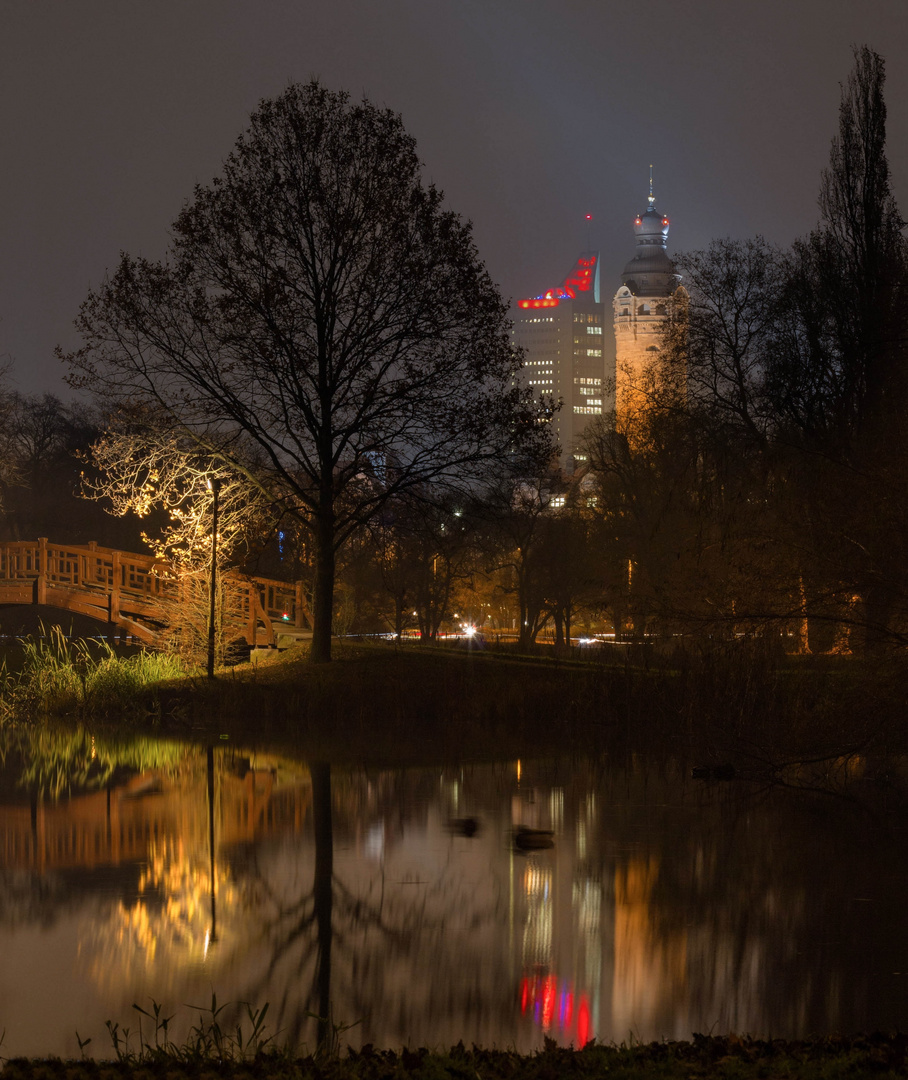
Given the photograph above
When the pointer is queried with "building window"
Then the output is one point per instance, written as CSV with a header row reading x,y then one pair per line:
x,y
594,329
588,410
594,352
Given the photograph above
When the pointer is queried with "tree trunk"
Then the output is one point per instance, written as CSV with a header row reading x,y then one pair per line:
x,y
323,894
399,616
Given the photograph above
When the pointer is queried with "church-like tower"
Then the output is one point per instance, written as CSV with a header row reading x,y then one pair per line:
x,y
641,306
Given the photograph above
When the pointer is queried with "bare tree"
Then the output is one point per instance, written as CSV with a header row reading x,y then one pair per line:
x,y
323,326
729,330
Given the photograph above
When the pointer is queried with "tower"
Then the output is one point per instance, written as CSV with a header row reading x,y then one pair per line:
x,y
641,306
567,351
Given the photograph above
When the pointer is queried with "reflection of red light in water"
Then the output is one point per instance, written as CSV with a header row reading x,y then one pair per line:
x,y
583,1022
540,996
567,1014
548,1002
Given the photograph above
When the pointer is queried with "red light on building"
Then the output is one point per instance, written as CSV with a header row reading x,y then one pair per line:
x,y
589,217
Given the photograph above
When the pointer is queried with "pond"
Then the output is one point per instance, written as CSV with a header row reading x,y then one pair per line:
x,y
407,906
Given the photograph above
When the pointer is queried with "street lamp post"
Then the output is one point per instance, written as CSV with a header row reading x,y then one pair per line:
x,y
214,486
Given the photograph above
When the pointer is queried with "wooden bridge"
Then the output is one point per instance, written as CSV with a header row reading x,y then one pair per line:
x,y
131,592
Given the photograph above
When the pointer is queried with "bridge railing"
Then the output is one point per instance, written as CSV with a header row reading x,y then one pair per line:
x,y
120,584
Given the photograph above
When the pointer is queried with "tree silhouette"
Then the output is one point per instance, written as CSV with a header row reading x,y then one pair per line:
x,y
323,326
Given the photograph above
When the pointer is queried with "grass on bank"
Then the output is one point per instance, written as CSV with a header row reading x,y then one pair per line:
x,y
86,677
705,1056
388,703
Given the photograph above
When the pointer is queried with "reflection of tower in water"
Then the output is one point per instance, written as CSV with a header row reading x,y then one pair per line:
x,y
561,947
537,933
650,975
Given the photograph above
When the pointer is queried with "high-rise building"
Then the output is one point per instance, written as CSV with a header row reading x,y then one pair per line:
x,y
641,305
569,353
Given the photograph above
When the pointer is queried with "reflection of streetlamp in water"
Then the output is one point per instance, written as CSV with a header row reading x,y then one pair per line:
x,y
212,935
214,486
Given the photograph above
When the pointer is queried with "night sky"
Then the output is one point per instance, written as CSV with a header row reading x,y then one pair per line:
x,y
529,114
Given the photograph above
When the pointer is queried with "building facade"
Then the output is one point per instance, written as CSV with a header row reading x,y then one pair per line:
x,y
569,353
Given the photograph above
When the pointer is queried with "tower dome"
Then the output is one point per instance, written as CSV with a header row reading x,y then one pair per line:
x,y
651,272
651,227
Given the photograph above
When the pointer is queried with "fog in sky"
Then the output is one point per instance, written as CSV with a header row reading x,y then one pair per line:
x,y
529,114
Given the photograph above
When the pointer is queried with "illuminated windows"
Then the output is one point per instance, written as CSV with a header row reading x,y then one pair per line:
x,y
594,330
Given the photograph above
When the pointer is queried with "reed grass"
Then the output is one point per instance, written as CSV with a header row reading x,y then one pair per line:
x,y
59,677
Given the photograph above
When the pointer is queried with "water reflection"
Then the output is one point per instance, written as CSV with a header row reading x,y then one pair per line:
x,y
144,869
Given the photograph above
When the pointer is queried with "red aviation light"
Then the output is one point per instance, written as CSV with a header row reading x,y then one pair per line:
x,y
638,221
665,221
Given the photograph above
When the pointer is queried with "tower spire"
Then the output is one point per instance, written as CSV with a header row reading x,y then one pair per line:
x,y
652,197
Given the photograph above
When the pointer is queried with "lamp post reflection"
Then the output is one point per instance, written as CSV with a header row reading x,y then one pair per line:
x,y
212,935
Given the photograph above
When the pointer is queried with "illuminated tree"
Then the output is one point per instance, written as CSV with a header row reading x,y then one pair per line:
x,y
323,326
146,470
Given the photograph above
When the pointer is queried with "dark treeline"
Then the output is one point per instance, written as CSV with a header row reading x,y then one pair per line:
x,y
764,485
44,451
